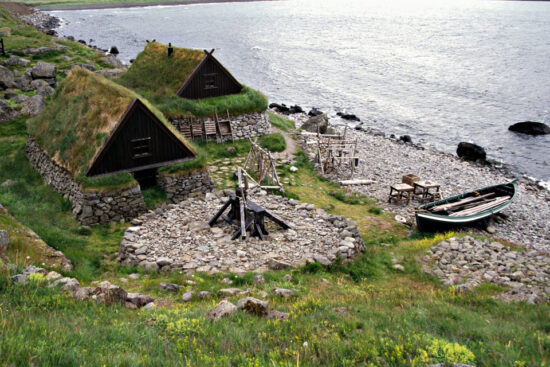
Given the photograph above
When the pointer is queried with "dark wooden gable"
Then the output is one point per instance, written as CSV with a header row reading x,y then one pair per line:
x,y
139,141
209,79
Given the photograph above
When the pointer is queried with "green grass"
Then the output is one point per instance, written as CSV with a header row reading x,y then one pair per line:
x,y
280,122
273,142
199,163
154,196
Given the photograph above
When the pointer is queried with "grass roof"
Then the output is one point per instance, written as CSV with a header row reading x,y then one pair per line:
x,y
158,77
153,70
81,115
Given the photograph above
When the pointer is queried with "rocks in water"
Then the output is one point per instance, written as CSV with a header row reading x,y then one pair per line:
x,y
406,139
7,79
471,152
33,106
315,112
282,108
224,308
16,61
530,128
317,123
348,116
253,306
295,109
113,50
4,240
43,70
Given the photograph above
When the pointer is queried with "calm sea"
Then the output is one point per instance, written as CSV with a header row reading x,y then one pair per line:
x,y
439,71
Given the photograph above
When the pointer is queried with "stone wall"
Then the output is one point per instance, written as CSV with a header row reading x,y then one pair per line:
x,y
89,207
181,187
244,126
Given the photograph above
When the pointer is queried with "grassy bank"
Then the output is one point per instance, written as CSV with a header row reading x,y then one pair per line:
x,y
85,4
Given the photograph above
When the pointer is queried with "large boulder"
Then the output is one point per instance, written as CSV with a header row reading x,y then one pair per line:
x,y
471,152
42,87
282,108
348,116
33,106
316,123
4,240
253,306
6,78
43,70
315,112
530,128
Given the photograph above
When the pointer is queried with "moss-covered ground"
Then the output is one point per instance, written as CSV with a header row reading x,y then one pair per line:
x,y
363,312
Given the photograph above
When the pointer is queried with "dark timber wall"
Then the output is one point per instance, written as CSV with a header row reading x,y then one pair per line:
x,y
210,79
140,141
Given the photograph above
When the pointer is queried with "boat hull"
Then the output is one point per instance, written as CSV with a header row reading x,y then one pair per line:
x,y
430,222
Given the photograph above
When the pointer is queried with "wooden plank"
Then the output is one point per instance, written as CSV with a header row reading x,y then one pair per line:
x,y
356,182
478,209
443,207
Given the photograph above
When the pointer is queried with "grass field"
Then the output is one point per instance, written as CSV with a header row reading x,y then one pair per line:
x,y
363,312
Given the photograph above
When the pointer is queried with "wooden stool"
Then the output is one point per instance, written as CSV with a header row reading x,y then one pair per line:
x,y
422,189
400,191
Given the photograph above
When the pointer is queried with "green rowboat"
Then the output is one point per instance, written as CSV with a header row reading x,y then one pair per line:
x,y
466,209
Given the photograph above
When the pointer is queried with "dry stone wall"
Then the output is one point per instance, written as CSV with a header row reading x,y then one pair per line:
x,y
244,126
181,187
88,207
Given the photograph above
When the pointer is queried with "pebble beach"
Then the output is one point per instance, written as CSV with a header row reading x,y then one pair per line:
x,y
526,222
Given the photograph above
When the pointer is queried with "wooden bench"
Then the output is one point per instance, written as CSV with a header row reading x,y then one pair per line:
x,y
210,130
186,131
196,131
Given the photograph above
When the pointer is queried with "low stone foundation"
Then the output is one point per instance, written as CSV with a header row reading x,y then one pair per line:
x,y
244,126
89,207
181,187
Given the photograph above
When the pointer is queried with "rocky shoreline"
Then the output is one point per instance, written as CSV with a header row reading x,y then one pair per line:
x,y
385,160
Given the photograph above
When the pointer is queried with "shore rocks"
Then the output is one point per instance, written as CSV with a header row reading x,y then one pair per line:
x,y
111,73
317,123
530,128
348,116
471,152
281,108
112,61
6,78
315,112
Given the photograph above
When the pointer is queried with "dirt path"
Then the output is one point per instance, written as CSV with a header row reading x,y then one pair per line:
x,y
291,145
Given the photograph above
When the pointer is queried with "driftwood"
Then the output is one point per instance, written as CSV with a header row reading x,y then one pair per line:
x,y
481,208
356,182
457,204
262,163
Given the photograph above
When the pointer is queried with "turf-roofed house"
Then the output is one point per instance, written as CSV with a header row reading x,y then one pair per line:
x,y
98,144
197,94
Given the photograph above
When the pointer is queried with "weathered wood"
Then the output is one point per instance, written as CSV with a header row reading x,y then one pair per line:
x,y
242,202
356,182
478,209
443,207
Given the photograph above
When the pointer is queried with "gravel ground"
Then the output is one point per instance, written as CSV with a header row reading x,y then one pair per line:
x,y
386,160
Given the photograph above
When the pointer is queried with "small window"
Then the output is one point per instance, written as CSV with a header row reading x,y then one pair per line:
x,y
141,148
210,81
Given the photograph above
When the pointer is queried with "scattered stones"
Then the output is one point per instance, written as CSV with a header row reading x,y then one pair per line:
x,y
193,246
4,240
293,169
43,70
229,291
16,61
471,152
277,265
278,315
467,262
6,78
187,296
53,275
286,293
258,279
111,73
530,128
20,278
322,260
138,300
398,267
226,281
170,287
253,306
204,294
42,88
288,278
224,308
350,117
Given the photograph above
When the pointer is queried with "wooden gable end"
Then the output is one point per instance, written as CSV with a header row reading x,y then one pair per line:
x,y
209,79
139,141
